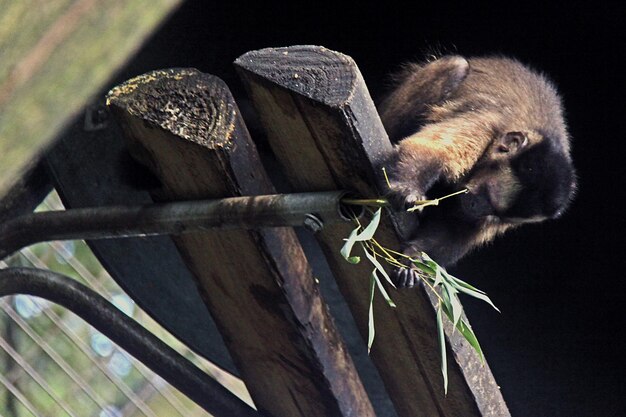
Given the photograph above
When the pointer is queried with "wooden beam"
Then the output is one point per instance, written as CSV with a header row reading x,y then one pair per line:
x,y
54,58
258,285
324,129
91,168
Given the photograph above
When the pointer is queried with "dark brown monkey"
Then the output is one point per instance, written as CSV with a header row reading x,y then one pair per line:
x,y
490,125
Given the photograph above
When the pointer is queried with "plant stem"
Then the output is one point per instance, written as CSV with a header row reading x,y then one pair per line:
x,y
434,202
463,191
390,260
371,202
386,177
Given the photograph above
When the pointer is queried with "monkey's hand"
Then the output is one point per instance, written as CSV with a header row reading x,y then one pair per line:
x,y
404,195
403,182
412,170
407,276
408,186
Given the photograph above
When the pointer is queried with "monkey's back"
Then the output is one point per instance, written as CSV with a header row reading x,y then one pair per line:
x,y
507,95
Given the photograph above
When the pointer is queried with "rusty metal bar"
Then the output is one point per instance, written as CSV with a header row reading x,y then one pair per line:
x,y
311,210
128,334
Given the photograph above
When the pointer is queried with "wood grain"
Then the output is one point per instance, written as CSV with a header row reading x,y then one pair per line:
x,y
257,285
324,129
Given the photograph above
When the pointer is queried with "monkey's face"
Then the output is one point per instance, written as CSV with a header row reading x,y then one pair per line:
x,y
519,182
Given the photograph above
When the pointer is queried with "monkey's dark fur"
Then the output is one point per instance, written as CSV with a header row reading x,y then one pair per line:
x,y
490,125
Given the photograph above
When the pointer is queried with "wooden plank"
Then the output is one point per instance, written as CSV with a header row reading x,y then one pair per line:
x,y
257,284
325,131
87,169
53,57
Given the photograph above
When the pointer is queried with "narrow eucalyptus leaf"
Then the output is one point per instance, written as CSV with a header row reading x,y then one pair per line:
x,y
423,267
471,338
467,333
369,231
468,289
378,266
370,323
451,303
445,295
438,276
457,308
382,289
479,295
429,261
442,348
346,249
462,284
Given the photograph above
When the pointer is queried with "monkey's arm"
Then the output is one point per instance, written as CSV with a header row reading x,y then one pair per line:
x,y
420,87
445,150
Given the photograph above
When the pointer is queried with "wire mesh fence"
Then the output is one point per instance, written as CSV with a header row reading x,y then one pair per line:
x,y
52,363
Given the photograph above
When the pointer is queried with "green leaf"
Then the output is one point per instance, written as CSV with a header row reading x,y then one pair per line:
x,y
355,236
423,267
438,276
471,291
378,266
467,332
471,338
455,304
463,284
382,289
369,231
442,348
371,329
430,263
347,247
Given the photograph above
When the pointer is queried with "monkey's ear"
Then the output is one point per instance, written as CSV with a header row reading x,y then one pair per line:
x,y
511,143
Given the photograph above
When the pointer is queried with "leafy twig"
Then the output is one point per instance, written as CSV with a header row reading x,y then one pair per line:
x,y
443,285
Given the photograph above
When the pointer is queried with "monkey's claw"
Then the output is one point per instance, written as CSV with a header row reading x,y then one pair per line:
x,y
403,197
406,277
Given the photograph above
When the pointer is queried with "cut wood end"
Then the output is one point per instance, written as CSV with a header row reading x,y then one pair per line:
x,y
129,86
313,71
195,106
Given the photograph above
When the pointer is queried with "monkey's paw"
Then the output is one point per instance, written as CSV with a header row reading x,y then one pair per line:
x,y
407,277
403,196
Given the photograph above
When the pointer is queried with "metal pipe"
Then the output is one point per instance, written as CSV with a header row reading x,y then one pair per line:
x,y
305,209
128,334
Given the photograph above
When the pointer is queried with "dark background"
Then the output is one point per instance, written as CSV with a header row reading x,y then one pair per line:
x,y
557,348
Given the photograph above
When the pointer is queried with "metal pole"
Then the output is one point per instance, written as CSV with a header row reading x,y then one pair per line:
x,y
312,210
128,334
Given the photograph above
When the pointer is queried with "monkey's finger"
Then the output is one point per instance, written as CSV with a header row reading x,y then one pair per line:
x,y
413,279
400,277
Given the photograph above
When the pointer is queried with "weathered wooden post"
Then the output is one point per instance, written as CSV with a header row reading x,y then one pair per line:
x,y
257,284
324,129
